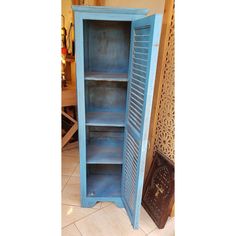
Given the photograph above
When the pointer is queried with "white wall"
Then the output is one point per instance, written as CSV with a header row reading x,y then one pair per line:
x,y
154,6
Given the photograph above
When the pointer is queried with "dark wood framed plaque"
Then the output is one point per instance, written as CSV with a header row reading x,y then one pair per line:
x,y
158,194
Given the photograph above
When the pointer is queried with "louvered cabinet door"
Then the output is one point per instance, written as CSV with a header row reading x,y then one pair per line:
x,y
145,36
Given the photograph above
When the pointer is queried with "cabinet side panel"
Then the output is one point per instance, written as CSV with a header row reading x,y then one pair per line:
x,y
79,50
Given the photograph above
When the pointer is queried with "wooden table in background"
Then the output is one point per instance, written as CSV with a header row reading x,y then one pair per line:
x,y
69,98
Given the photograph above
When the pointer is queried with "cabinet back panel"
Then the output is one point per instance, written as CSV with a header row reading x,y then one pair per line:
x,y
106,46
105,133
100,169
105,96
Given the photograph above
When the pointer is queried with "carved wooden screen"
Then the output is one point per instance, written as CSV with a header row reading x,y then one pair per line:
x,y
165,123
162,128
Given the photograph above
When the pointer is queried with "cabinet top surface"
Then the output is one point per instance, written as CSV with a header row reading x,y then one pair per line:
x,y
116,10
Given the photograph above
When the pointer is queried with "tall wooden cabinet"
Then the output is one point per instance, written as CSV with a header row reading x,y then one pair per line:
x,y
116,57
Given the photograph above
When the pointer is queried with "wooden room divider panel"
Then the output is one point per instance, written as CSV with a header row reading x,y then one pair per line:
x,y
165,124
162,127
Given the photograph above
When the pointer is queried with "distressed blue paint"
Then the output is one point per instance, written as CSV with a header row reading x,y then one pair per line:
x,y
105,133
105,96
110,16
104,182
114,119
137,132
104,185
111,10
91,201
107,46
79,54
95,120
97,76
104,151
102,122
110,13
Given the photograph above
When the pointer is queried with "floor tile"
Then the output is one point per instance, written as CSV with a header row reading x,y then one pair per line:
x,y
146,223
64,180
71,152
104,204
69,165
169,229
97,206
108,221
71,192
76,171
104,219
70,230
72,213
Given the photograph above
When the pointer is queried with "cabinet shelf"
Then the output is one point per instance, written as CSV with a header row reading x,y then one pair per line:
x,y
104,185
104,151
98,76
116,119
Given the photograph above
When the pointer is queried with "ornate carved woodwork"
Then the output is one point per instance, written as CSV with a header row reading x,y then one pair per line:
x,y
165,125
162,128
158,196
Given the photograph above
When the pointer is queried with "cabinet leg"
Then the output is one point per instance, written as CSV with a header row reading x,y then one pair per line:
x,y
88,203
119,204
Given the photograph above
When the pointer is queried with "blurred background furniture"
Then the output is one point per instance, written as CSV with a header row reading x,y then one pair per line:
x,y
69,100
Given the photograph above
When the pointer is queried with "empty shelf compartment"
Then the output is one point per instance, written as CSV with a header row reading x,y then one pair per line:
x,y
105,103
104,145
104,181
106,46
104,151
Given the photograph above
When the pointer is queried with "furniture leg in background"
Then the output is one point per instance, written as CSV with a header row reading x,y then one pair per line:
x,y
69,99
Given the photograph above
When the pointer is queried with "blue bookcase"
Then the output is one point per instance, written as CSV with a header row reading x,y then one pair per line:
x,y
116,58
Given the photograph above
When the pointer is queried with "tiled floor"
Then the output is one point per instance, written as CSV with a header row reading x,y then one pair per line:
x,y
104,219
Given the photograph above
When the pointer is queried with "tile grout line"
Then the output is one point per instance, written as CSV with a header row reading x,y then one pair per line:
x,y
143,230
78,164
70,205
80,219
152,231
92,213
65,183
64,188
78,230
70,177
104,206
132,226
96,210
66,204
147,233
